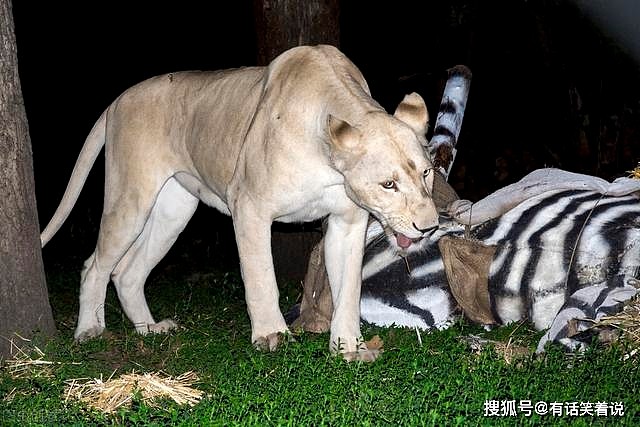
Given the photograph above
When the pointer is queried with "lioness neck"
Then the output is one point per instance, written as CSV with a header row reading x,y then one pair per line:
x,y
324,80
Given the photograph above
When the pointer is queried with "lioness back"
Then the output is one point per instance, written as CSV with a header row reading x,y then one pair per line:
x,y
204,118
176,117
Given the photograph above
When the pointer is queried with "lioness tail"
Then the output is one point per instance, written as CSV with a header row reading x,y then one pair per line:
x,y
90,150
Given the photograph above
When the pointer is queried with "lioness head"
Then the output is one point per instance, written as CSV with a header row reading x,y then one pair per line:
x,y
386,168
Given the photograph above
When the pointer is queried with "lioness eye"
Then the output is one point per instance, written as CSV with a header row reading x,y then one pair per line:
x,y
425,176
389,185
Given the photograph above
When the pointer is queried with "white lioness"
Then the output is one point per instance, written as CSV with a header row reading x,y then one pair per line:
x,y
294,141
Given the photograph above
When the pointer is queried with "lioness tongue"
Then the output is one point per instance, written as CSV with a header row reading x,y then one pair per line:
x,y
403,241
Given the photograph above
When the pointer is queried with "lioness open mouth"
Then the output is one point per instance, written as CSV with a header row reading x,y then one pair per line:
x,y
403,241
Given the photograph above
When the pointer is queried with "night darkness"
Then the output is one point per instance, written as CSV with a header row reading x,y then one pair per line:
x,y
548,89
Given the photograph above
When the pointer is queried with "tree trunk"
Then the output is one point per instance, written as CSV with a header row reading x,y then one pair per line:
x,y
281,25
24,304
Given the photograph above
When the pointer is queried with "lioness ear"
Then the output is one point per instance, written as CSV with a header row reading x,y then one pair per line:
x,y
413,111
343,142
342,135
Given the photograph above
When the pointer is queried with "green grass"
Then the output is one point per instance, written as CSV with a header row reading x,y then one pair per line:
x,y
441,382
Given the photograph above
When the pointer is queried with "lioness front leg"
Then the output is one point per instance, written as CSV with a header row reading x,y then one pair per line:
x,y
344,248
253,237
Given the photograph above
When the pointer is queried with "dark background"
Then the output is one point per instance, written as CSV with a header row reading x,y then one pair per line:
x,y
550,87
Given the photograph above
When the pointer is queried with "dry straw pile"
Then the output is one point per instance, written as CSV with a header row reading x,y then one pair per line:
x,y
114,393
28,363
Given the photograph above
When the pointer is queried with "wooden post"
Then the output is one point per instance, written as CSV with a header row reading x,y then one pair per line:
x,y
283,24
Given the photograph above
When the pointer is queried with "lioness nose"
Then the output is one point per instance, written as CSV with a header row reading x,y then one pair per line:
x,y
425,230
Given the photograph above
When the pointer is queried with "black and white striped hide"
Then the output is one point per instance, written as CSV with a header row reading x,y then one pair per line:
x,y
567,247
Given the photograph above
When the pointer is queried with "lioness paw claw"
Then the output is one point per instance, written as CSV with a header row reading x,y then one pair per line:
x,y
272,341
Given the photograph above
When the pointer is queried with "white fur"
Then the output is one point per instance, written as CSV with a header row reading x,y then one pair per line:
x,y
280,143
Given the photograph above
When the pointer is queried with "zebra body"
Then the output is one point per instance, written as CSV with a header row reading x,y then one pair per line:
x,y
568,250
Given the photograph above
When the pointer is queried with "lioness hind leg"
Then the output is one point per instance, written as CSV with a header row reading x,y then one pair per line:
x,y
174,207
125,214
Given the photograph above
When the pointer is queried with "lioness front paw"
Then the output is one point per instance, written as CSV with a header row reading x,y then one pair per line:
x,y
362,355
272,341
364,351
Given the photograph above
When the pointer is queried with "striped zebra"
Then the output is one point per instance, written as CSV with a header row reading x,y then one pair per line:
x,y
565,247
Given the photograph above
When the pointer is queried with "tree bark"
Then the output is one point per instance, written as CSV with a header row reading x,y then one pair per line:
x,y
24,304
283,24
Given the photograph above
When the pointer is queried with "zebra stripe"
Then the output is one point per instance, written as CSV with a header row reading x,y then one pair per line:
x,y
531,255
561,254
